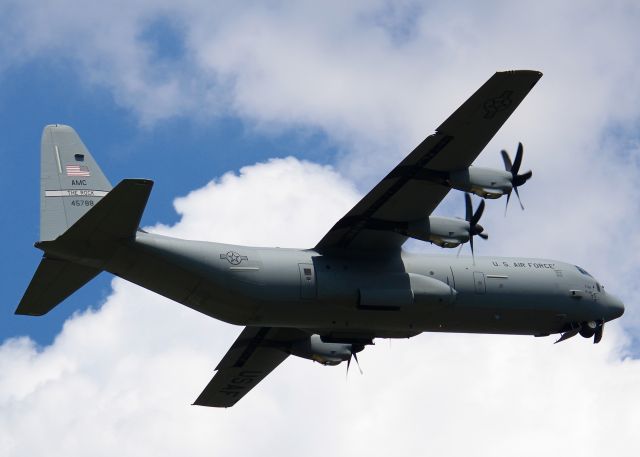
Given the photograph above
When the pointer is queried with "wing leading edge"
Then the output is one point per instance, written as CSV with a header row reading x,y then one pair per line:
x,y
409,192
254,354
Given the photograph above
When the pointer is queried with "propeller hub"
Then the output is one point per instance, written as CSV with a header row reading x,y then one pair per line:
x,y
477,229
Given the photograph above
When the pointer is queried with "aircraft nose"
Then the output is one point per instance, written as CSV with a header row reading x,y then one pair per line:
x,y
615,307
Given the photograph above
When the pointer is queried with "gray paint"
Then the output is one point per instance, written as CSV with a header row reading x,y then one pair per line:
x,y
413,293
67,169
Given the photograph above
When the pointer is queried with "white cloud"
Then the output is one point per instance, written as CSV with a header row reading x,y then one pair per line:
x,y
304,201
383,71
120,379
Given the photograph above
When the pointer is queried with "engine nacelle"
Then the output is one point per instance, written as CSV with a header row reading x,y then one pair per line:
x,y
317,350
446,232
485,182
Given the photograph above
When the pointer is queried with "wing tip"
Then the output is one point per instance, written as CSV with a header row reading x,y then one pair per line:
x,y
199,402
23,311
58,128
534,75
522,71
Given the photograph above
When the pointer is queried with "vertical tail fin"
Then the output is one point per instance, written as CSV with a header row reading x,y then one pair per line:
x,y
71,182
77,205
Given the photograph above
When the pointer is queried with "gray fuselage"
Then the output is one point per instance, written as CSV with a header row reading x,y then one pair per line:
x,y
393,295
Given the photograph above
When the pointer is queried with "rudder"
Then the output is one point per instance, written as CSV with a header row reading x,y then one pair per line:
x,y
71,182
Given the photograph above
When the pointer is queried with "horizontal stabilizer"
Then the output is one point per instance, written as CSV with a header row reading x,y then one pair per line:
x,y
53,281
116,216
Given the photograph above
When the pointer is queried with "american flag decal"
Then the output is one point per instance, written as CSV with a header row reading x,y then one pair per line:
x,y
78,170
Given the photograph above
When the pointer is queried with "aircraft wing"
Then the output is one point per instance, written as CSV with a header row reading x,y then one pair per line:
x,y
255,354
406,193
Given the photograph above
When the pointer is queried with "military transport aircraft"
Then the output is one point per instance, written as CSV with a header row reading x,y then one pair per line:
x,y
328,302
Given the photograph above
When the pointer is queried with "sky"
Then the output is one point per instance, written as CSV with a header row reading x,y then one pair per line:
x,y
262,123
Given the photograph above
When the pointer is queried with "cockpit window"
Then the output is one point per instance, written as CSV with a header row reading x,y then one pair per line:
x,y
583,271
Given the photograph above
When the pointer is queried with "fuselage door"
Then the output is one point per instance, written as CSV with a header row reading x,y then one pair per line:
x,y
307,280
478,281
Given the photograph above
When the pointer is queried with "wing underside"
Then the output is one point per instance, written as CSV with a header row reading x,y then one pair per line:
x,y
410,192
254,354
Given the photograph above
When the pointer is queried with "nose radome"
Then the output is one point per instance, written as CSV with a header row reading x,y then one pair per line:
x,y
615,307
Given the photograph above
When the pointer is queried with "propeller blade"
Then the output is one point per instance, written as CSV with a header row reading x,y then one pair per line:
x,y
507,205
516,179
478,214
518,161
507,160
468,208
355,356
567,335
349,364
521,179
597,336
473,219
518,195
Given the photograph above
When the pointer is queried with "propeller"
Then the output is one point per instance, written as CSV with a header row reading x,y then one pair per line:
x,y
586,329
566,335
597,336
354,350
473,218
513,168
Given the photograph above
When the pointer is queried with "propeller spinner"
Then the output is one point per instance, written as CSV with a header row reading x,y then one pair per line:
x,y
513,168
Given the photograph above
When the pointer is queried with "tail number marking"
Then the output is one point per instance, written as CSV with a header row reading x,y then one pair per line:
x,y
82,203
